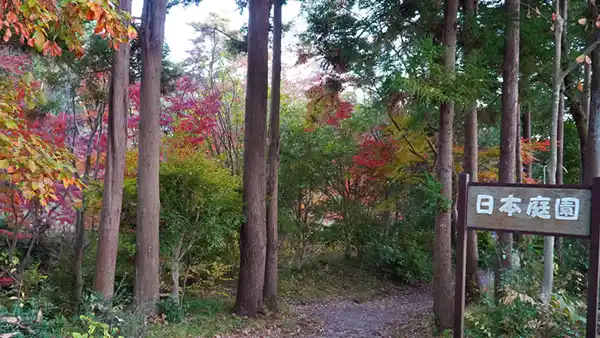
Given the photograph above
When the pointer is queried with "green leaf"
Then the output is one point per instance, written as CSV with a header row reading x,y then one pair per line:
x,y
10,124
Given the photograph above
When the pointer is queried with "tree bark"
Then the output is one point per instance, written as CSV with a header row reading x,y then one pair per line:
x,y
471,168
560,132
442,274
518,149
79,248
252,235
527,139
519,162
146,286
114,171
593,143
560,164
583,125
175,265
270,287
548,281
508,127
471,155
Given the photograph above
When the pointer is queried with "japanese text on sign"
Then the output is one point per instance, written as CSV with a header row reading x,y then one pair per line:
x,y
565,208
530,208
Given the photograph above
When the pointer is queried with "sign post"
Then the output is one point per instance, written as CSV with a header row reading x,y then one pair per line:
x,y
551,210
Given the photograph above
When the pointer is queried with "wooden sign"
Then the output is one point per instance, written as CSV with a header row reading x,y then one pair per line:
x,y
530,209
555,210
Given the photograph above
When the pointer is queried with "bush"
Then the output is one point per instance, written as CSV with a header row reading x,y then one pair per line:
x,y
407,260
31,317
519,315
200,214
172,310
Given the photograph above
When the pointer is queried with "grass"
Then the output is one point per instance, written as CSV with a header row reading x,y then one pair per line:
x,y
327,277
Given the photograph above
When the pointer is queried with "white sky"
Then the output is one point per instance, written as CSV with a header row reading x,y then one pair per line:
x,y
178,32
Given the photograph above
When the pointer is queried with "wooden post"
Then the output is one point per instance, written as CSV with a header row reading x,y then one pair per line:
x,y
593,276
461,256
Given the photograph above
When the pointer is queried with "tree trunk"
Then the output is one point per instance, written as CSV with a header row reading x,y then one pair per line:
x,y
471,168
560,132
253,231
527,139
270,287
146,286
508,128
442,273
548,281
79,248
471,156
593,143
114,171
298,259
519,162
78,259
583,129
518,149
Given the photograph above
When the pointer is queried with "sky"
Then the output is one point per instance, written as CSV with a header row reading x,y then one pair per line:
x,y
178,32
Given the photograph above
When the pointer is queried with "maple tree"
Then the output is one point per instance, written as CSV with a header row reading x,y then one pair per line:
x,y
187,117
39,165
325,104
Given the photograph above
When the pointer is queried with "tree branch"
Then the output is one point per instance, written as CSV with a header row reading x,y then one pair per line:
x,y
575,64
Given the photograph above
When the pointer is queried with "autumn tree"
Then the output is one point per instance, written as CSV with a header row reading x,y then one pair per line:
x,y
270,287
253,231
147,265
114,171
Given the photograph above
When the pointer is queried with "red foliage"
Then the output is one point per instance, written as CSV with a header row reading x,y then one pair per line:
x,y
325,104
6,281
374,153
187,110
9,234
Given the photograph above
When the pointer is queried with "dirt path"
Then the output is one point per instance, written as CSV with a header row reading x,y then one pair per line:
x,y
372,318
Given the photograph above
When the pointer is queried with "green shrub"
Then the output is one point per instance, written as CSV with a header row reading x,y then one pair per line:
x,y
519,315
408,259
172,309
31,317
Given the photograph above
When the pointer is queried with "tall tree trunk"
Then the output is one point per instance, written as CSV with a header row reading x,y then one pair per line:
x,y
527,139
471,155
508,128
253,231
471,168
114,170
78,259
146,286
270,288
593,143
79,249
560,132
519,162
442,274
518,149
548,280
583,129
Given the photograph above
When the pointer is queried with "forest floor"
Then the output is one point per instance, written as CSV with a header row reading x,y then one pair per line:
x,y
392,315
324,300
